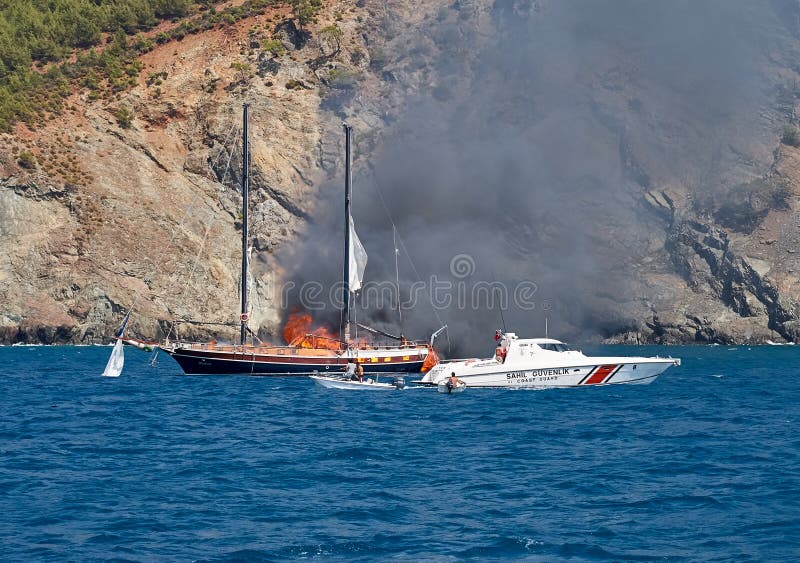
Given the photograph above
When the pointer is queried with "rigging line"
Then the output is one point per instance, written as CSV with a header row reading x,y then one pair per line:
x,y
341,309
147,258
228,166
356,296
397,278
344,288
209,224
171,244
165,250
194,266
341,312
405,250
192,280
235,128
430,298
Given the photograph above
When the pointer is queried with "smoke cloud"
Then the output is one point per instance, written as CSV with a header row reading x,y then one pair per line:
x,y
533,150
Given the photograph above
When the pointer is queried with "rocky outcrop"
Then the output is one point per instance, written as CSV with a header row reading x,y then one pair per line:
x,y
703,256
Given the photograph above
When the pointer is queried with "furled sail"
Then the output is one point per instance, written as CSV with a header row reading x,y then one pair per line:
x,y
357,259
117,359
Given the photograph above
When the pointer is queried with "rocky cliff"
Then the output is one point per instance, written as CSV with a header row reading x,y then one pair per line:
x,y
690,194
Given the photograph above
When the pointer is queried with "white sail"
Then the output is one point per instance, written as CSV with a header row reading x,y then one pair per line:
x,y
357,258
116,361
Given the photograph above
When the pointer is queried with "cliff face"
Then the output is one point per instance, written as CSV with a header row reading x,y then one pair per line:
x,y
682,199
147,216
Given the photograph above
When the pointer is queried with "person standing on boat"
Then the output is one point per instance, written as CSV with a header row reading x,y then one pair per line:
x,y
350,371
359,372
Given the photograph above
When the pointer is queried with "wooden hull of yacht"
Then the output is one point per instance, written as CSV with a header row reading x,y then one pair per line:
x,y
281,362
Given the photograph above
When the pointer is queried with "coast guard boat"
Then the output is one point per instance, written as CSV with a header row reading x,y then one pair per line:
x,y
544,362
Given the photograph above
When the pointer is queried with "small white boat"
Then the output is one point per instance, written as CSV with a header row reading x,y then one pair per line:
x,y
366,384
447,387
544,362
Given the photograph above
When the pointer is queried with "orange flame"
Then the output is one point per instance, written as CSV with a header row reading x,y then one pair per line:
x,y
299,326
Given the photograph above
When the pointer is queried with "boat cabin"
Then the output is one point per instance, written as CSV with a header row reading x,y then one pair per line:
x,y
510,346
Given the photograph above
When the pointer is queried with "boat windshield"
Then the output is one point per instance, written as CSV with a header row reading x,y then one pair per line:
x,y
555,347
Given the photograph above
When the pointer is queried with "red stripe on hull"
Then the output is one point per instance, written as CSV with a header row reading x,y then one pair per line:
x,y
600,375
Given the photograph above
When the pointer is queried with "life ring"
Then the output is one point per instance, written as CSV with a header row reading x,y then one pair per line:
x,y
244,317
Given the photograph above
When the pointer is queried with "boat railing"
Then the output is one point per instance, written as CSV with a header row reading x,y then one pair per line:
x,y
218,346
314,339
408,346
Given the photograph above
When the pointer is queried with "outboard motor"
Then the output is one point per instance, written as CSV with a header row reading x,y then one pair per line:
x,y
399,382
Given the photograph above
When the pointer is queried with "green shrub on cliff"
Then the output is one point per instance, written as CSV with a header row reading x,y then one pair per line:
x,y
26,159
330,40
124,116
305,11
343,79
48,48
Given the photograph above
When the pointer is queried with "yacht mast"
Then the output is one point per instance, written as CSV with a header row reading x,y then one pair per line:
x,y
245,195
347,188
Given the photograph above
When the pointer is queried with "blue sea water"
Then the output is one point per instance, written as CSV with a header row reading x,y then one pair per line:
x,y
700,465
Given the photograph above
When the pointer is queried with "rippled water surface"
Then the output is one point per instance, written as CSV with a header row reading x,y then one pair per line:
x,y
702,464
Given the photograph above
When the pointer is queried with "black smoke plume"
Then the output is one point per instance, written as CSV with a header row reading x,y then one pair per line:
x,y
532,151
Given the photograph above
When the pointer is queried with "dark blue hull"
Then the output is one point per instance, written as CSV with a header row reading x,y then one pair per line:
x,y
193,363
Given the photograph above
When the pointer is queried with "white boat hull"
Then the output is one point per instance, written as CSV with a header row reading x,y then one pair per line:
x,y
490,373
337,383
541,363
